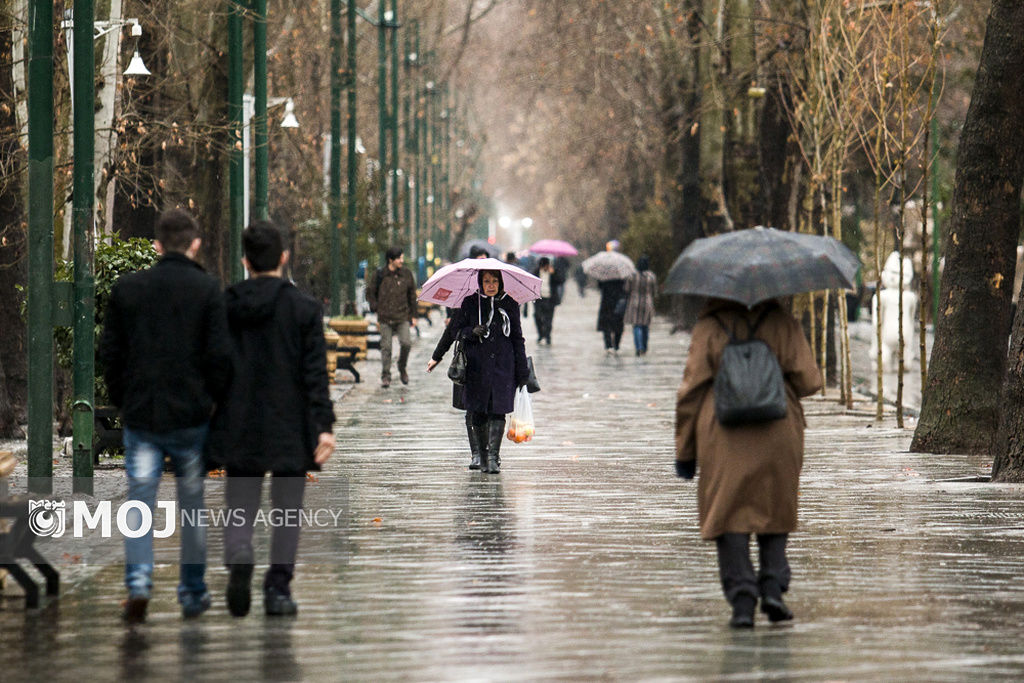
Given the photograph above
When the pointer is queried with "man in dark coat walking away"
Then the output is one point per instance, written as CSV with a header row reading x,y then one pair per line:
x,y
277,418
167,360
392,294
611,313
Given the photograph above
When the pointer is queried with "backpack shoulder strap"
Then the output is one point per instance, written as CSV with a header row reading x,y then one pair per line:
x,y
730,333
752,329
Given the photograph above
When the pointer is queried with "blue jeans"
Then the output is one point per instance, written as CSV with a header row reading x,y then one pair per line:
x,y
640,335
144,460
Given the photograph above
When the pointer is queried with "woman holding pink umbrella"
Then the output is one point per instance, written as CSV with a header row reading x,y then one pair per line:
x,y
489,326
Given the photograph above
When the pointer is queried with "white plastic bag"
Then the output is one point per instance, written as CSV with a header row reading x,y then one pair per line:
x,y
520,422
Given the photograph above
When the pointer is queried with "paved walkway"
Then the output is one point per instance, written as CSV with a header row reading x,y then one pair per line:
x,y
581,560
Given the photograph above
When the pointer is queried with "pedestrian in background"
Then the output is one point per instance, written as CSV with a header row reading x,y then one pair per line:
x,y
749,473
610,313
581,279
277,418
488,322
544,307
166,356
392,294
640,288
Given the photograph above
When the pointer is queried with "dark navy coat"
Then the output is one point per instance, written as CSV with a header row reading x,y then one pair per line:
x,y
495,366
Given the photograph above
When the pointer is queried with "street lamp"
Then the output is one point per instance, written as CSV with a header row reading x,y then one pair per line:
x,y
248,113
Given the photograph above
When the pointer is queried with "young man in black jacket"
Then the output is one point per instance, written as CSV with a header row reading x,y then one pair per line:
x,y
167,360
278,416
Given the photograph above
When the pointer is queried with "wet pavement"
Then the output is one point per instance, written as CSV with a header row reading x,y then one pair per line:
x,y
581,560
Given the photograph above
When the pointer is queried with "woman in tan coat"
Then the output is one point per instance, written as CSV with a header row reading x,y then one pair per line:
x,y
749,473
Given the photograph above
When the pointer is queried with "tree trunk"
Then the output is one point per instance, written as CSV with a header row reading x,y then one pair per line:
x,y
715,209
960,412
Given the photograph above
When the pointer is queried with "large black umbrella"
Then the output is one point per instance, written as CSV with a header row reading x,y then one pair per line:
x,y
755,265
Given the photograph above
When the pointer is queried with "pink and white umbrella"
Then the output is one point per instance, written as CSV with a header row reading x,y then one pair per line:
x,y
454,282
553,247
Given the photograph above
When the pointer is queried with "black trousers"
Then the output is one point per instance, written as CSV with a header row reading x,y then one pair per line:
x,y
242,494
613,334
543,315
737,572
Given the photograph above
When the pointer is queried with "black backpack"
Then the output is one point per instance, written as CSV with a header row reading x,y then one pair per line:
x,y
748,386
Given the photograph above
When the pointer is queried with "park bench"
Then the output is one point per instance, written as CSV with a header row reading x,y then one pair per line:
x,y
16,543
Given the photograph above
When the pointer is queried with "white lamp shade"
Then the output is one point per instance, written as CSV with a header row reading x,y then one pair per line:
x,y
136,67
289,120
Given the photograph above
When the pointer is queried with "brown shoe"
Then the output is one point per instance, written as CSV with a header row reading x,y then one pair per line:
x,y
404,376
385,382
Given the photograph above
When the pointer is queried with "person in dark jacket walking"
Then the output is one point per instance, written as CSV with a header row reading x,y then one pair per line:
x,y
445,343
611,313
166,357
488,323
544,307
392,294
277,418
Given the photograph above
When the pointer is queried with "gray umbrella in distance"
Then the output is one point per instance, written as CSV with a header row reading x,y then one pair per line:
x,y
609,265
750,266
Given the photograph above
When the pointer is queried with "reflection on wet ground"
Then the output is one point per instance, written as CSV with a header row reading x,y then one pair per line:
x,y
581,560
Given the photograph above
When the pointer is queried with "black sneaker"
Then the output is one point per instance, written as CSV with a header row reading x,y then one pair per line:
x,y
277,604
404,376
135,609
239,594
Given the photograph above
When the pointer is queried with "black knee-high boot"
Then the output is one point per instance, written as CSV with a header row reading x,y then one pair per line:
x,y
495,433
477,442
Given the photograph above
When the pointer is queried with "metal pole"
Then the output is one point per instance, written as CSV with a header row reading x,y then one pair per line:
x,y
382,109
394,113
236,176
418,134
40,247
84,305
335,176
259,91
936,230
353,227
446,209
407,178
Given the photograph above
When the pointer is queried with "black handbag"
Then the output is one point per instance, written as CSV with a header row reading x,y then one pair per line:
x,y
457,370
532,385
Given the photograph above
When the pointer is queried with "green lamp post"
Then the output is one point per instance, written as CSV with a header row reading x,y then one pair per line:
x,y
40,247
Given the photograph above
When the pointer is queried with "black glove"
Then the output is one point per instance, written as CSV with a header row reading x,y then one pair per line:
x,y
480,331
686,469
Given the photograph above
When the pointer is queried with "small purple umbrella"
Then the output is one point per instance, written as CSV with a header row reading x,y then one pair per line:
x,y
454,282
553,247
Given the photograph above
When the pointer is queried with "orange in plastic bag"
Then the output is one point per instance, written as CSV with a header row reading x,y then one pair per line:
x,y
520,422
